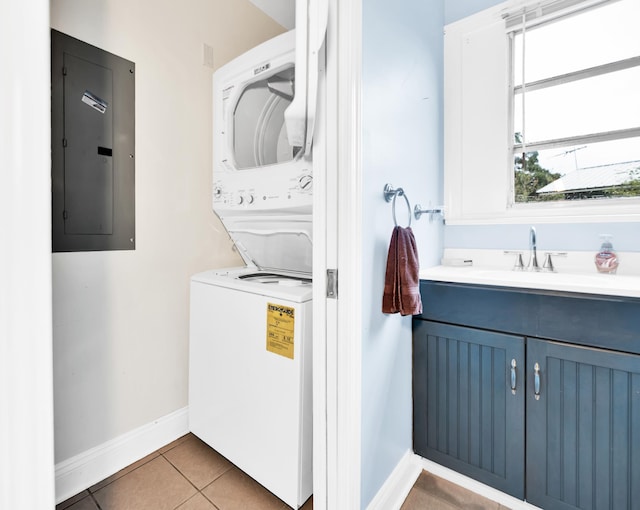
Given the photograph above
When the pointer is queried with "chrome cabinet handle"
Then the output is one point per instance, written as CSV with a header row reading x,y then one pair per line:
x,y
536,380
513,376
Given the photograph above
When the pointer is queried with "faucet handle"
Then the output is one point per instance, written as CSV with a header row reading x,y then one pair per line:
x,y
548,262
518,265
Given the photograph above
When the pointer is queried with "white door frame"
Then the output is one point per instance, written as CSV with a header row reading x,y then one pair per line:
x,y
337,220
26,369
337,245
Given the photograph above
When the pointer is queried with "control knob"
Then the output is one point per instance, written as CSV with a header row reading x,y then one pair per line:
x,y
305,183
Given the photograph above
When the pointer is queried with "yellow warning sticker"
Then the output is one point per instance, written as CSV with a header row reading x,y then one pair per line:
x,y
280,322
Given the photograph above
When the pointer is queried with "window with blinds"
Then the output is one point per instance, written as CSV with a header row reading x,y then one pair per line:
x,y
574,100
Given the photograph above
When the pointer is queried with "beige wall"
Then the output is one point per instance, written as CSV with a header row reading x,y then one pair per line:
x,y
121,319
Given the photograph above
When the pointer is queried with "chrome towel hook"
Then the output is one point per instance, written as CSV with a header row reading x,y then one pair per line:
x,y
390,194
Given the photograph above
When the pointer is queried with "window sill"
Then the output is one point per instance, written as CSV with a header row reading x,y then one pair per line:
x,y
555,213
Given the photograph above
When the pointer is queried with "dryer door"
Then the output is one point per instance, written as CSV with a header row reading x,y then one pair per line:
x,y
251,94
259,136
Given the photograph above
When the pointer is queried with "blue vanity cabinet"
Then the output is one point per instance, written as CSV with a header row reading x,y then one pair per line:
x,y
568,435
583,427
466,414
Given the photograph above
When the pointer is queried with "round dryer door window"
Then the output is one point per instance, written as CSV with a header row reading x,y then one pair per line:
x,y
259,132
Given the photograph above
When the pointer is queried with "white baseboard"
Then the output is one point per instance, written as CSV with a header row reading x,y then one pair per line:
x,y
88,468
396,488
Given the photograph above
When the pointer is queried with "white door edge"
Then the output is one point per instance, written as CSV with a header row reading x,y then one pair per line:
x,y
349,338
26,352
337,244
323,237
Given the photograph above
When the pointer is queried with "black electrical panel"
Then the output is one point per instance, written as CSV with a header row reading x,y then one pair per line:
x,y
92,147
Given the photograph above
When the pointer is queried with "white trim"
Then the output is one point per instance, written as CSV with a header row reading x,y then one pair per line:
x,y
90,467
324,323
26,379
528,217
400,482
345,362
474,485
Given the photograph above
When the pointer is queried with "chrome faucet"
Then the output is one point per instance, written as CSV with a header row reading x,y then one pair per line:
x,y
533,256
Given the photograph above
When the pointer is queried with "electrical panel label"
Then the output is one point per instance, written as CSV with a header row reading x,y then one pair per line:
x,y
94,101
280,323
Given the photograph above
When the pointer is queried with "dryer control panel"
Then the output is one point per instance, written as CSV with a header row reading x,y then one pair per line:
x,y
269,193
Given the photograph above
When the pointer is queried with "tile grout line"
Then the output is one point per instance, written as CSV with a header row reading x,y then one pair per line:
x,y
183,439
159,453
231,466
205,497
181,474
71,501
190,482
193,485
89,489
200,493
95,501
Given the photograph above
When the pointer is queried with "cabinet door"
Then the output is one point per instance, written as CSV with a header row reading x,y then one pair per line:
x,y
466,416
583,427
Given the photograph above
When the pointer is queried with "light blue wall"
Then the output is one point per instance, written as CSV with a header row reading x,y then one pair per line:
x,y
402,124
556,237
402,144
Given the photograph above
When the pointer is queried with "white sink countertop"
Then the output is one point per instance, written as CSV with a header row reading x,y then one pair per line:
x,y
581,278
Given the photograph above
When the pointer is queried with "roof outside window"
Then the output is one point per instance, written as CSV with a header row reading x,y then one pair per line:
x,y
594,178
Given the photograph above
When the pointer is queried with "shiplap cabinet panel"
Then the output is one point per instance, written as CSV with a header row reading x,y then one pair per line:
x,y
466,416
583,433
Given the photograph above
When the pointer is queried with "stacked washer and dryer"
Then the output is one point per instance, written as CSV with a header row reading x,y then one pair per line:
x,y
250,379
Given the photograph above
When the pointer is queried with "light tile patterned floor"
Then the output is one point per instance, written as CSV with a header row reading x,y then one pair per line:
x,y
434,493
189,475
184,475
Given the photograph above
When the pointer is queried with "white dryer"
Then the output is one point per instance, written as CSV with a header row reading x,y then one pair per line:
x,y
262,184
250,327
256,169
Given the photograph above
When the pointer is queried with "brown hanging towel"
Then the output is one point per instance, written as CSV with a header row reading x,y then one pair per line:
x,y
402,278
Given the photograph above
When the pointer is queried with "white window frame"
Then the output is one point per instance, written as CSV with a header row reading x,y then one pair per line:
x,y
478,151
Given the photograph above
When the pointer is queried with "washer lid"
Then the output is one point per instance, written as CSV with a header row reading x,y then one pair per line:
x,y
273,243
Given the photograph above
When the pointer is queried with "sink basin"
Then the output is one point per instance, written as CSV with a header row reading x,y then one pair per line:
x,y
592,283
